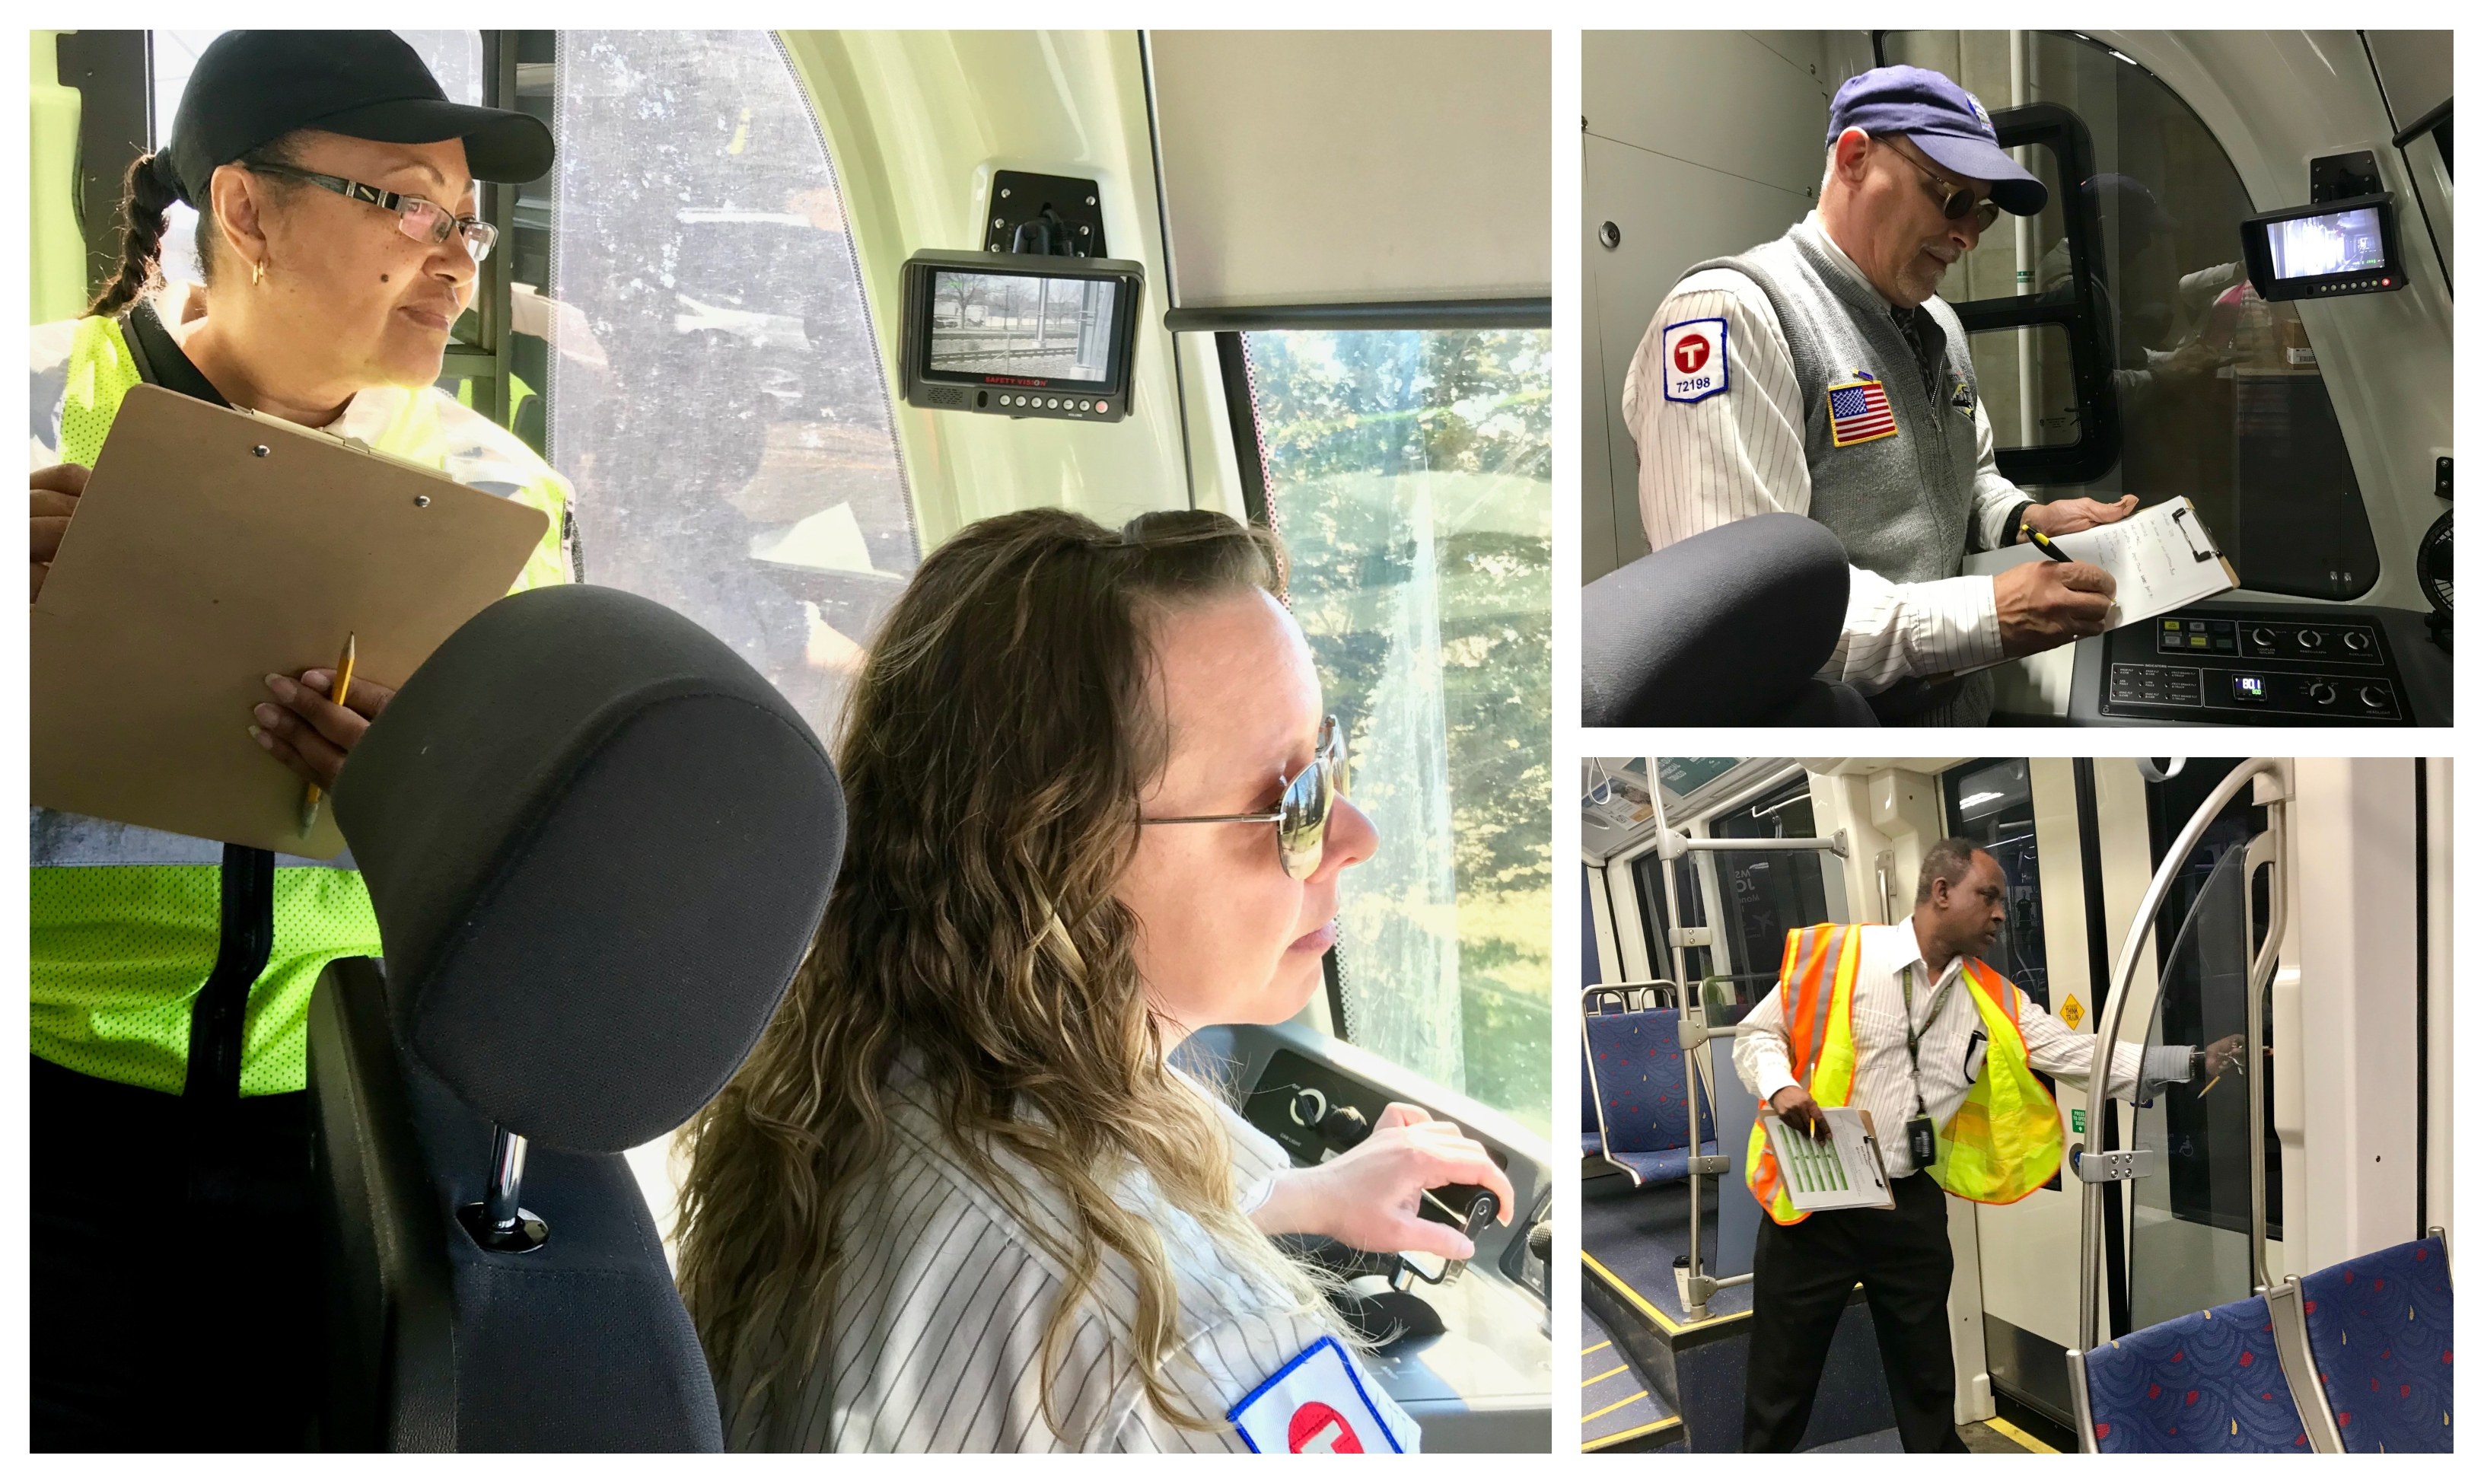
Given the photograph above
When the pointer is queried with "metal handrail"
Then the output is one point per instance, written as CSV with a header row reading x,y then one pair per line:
x,y
2116,999
1697,1285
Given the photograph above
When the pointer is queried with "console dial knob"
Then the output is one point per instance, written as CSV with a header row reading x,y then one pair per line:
x,y
2264,637
2374,698
1347,1126
1310,1106
2322,693
2357,640
2308,639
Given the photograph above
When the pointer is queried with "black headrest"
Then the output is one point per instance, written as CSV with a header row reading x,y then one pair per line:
x,y
1725,627
598,844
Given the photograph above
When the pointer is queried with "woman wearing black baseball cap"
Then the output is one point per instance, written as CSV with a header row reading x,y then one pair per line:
x,y
334,185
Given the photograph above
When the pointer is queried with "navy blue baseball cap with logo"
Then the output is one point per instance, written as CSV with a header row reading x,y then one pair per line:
x,y
1946,122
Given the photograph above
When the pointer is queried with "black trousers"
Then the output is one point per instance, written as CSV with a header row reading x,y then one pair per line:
x,y
175,1271
1801,1280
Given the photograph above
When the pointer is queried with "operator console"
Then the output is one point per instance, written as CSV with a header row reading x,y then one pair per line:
x,y
2258,665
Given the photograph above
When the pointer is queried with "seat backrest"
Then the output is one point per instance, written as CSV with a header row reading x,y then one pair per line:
x,y
2381,1335
598,845
1725,628
2209,1382
1642,1081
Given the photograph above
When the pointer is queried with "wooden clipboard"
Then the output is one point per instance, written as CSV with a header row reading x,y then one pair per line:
x,y
213,548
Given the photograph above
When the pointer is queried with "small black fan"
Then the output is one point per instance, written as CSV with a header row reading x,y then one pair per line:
x,y
2432,574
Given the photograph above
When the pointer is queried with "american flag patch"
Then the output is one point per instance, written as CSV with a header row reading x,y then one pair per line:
x,y
1858,412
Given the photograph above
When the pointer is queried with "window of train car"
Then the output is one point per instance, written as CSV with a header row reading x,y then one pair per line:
x,y
714,390
1410,475
1990,802
1766,896
2220,392
1658,918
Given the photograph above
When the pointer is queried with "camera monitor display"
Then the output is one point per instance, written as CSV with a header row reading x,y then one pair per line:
x,y
1023,336
2341,247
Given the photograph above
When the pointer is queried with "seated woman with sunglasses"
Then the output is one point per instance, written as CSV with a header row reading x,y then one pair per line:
x,y
336,198
958,1199
1821,374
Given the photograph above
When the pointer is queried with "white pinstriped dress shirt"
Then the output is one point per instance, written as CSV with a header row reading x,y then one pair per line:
x,y
1884,1082
1703,464
938,1338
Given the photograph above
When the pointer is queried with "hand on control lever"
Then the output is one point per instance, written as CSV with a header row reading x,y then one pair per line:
x,y
1371,1195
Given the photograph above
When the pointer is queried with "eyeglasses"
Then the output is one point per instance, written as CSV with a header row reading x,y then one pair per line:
x,y
1301,816
421,219
1956,200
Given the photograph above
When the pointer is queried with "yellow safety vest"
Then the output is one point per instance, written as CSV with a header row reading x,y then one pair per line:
x,y
126,927
2004,1141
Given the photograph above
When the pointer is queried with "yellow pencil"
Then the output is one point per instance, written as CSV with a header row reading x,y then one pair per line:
x,y
2212,1082
344,678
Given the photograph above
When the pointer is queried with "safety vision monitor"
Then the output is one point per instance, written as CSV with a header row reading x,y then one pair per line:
x,y
2331,247
1020,333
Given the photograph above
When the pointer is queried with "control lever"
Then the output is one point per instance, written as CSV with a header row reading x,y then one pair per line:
x,y
1469,1208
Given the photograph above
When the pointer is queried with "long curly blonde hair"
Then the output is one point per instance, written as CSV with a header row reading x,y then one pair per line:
x,y
995,752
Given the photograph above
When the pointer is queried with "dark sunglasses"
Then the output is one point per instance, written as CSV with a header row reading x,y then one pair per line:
x,y
421,219
1957,202
1301,814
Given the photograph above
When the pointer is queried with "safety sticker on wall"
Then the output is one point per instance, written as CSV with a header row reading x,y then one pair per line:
x,y
2073,1012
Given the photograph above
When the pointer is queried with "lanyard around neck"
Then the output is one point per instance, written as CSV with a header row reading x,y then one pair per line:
x,y
1914,1036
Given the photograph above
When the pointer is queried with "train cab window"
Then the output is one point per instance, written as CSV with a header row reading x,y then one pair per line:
x,y
715,392
1409,472
2218,394
1989,801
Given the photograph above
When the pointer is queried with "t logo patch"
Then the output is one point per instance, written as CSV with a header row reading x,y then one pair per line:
x,y
1317,1428
1315,1403
1695,361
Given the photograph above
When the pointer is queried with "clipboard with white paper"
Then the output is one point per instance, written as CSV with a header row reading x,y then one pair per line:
x,y
213,548
2160,558
1839,1173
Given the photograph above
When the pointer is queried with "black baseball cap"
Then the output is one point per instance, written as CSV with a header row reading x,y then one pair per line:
x,y
251,87
1946,122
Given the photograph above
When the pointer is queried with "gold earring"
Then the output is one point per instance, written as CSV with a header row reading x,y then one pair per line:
x,y
257,274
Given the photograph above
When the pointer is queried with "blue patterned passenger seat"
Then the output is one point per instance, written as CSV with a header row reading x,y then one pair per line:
x,y
1642,1091
2380,1329
1591,1131
2209,1382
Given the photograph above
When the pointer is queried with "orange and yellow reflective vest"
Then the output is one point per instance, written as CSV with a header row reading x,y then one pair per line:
x,y
2004,1141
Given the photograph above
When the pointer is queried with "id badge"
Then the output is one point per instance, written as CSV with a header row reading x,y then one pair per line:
x,y
1921,1144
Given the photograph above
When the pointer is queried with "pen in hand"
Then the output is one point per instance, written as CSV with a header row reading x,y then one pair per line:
x,y
2043,543
344,678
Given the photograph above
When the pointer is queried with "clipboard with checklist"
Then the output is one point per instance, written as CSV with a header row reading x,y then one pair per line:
x,y
213,548
1841,1172
2161,559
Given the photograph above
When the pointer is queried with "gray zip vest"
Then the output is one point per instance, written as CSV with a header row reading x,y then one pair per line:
x,y
1902,504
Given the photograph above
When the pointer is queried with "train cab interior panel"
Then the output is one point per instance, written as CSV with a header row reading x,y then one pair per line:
x,y
2134,337
2301,907
792,308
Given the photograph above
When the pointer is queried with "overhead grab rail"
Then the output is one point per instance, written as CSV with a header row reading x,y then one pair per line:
x,y
2096,1169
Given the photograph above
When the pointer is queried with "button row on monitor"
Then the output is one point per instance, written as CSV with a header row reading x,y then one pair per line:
x,y
1073,404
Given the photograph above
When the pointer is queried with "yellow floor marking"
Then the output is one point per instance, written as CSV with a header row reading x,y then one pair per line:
x,y
2020,1436
1616,1407
1597,1346
1628,1433
1606,1376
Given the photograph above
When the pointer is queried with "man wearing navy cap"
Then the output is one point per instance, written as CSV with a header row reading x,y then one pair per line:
x,y
1818,374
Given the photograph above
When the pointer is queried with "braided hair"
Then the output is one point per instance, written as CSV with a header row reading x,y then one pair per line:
x,y
148,194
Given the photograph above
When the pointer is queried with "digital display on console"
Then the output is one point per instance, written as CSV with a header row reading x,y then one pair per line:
x,y
1020,325
2251,688
2310,247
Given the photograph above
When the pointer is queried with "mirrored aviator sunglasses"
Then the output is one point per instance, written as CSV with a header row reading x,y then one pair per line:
x,y
1301,813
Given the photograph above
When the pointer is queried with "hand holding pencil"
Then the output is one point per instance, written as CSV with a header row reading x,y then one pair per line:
x,y
314,719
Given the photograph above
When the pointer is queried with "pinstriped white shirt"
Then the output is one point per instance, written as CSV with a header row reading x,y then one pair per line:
x,y
1884,1081
1703,464
936,1339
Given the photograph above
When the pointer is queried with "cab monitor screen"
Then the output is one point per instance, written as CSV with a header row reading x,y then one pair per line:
x,y
2338,246
1020,336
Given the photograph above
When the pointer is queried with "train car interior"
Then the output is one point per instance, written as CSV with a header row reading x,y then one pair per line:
x,y
2135,336
2303,904
793,307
